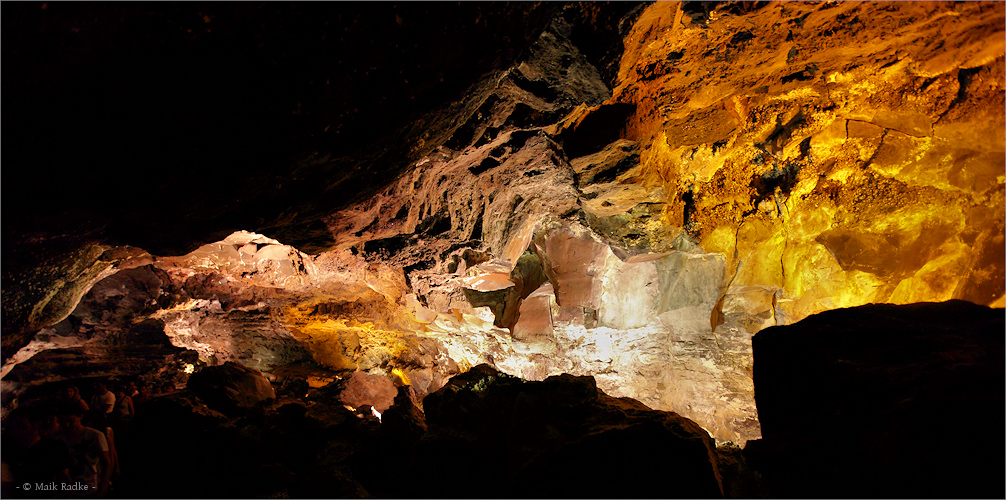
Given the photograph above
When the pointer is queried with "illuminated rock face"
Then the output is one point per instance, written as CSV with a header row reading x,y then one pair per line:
x,y
752,165
844,153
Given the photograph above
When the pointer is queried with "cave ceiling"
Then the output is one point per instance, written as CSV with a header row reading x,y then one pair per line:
x,y
623,190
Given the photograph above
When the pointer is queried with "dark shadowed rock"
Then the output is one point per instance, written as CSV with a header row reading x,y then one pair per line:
x,y
494,435
605,165
285,449
882,401
404,423
298,100
230,387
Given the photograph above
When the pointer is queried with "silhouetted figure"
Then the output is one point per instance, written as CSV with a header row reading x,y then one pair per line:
x,y
123,404
90,463
71,395
103,398
143,393
97,420
32,457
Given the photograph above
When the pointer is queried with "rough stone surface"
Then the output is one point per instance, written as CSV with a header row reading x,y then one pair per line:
x,y
750,165
883,400
629,293
29,307
572,258
535,315
817,146
365,389
607,164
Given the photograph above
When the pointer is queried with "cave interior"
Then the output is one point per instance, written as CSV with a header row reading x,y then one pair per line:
x,y
588,250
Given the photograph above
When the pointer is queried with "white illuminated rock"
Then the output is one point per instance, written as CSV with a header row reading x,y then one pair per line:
x,y
629,293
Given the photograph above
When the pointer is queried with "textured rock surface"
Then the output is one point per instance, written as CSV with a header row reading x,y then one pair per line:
x,y
29,305
364,389
883,400
738,166
306,92
535,315
818,146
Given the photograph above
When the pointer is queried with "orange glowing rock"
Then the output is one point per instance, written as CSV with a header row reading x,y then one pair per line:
x,y
842,166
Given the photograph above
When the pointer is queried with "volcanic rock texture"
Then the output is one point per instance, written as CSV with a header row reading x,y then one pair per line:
x,y
840,152
635,219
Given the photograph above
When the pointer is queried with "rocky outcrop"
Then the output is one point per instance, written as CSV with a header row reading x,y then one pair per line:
x,y
875,400
30,306
364,389
535,320
502,436
230,387
110,333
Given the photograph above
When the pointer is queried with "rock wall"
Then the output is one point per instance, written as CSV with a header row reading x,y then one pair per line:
x,y
844,153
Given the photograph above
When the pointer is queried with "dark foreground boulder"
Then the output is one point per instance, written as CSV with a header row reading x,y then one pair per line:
x,y
485,435
491,435
177,447
883,401
230,387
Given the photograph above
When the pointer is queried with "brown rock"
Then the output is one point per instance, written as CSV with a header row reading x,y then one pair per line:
x,y
607,164
362,388
404,422
542,436
572,258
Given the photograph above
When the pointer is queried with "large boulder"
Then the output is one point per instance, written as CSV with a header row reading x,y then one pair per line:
x,y
883,401
230,387
363,388
286,449
495,435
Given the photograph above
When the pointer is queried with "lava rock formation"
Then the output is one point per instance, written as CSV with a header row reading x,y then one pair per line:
x,y
517,239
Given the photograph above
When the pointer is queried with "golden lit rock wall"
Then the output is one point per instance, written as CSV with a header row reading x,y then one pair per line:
x,y
844,152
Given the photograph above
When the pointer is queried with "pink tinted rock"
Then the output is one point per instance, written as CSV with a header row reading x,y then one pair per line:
x,y
487,282
573,260
362,388
535,321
